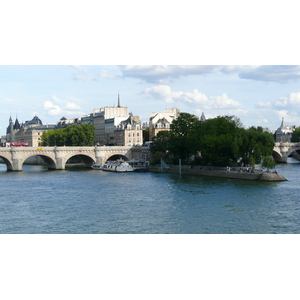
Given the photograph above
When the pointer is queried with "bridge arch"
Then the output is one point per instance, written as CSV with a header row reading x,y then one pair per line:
x,y
277,156
85,158
282,151
117,156
48,159
8,162
292,150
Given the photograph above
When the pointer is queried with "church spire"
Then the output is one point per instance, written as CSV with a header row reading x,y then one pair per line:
x,y
119,100
282,122
202,118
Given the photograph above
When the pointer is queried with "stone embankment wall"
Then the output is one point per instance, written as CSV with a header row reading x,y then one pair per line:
x,y
234,173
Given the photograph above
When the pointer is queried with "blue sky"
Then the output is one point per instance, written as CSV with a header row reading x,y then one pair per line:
x,y
259,95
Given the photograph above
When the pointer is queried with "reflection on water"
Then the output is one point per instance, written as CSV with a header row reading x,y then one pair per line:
x,y
90,201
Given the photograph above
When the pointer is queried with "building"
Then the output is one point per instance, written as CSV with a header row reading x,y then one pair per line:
x,y
29,132
115,126
129,132
161,121
284,132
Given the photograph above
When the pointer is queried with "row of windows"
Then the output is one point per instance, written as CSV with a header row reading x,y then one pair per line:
x,y
129,141
138,134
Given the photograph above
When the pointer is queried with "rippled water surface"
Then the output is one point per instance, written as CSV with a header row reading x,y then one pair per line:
x,y
90,201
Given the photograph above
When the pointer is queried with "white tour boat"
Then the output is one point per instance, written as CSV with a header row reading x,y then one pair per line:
x,y
114,166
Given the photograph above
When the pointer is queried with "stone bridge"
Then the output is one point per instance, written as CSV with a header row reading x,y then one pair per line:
x,y
57,157
282,151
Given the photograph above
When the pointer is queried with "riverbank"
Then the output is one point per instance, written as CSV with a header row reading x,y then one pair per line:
x,y
234,173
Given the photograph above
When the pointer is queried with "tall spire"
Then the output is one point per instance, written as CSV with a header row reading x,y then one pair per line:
x,y
282,122
119,100
202,118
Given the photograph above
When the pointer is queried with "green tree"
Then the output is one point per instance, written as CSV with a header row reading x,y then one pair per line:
x,y
160,143
250,145
296,136
159,146
73,135
180,140
213,138
268,162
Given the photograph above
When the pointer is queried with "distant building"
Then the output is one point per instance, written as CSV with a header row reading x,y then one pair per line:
x,y
115,126
161,121
284,132
129,132
28,132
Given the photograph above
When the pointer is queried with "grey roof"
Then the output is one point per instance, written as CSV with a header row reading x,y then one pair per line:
x,y
42,127
35,120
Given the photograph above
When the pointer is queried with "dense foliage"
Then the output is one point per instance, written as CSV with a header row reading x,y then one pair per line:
x,y
73,135
296,136
252,144
218,141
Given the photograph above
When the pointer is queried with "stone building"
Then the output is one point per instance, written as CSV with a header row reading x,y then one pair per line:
x,y
115,126
161,121
284,132
29,132
129,132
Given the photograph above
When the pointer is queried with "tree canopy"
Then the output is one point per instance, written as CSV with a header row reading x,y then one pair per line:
x,y
73,135
252,144
296,136
218,141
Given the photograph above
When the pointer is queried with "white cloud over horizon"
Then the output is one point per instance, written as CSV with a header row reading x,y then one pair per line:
x,y
195,98
161,73
59,107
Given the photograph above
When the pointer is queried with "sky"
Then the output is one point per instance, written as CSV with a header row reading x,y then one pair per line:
x,y
260,95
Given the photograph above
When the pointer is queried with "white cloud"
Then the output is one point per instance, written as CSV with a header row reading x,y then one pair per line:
x,y
160,91
290,118
238,69
281,74
53,110
159,73
62,107
287,107
156,74
291,101
81,73
195,98
223,102
105,74
72,106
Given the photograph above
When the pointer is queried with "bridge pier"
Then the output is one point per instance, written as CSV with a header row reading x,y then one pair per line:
x,y
99,155
17,161
60,161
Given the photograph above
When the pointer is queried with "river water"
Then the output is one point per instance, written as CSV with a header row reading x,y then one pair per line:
x,y
38,201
